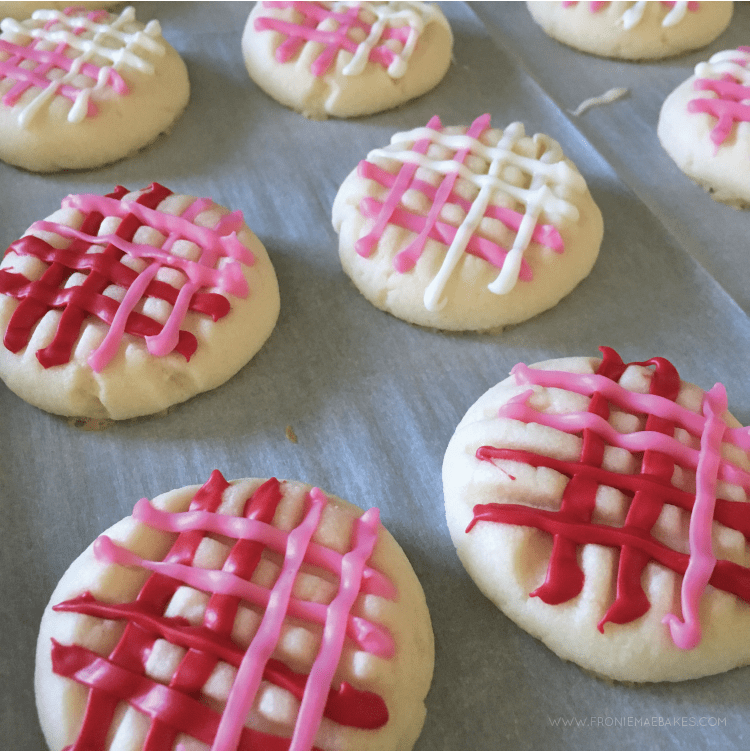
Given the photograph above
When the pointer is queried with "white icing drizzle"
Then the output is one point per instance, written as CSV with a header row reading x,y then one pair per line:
x,y
722,63
635,13
553,180
88,47
611,95
396,13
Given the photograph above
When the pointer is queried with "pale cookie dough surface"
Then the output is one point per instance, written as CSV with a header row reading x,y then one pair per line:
x,y
386,655
112,88
644,30
346,59
704,126
20,9
466,228
518,446
107,307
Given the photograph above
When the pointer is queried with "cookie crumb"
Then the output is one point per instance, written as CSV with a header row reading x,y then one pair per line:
x,y
291,437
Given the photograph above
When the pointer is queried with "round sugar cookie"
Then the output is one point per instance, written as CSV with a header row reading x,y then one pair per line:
x,y
122,305
237,615
80,89
466,228
603,506
20,9
345,59
704,126
644,30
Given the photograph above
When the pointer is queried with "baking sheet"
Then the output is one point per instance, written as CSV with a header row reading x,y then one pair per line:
x,y
373,400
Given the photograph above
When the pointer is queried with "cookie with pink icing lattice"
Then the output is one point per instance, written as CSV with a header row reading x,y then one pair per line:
x,y
466,228
80,89
604,507
704,126
642,30
245,615
122,305
346,59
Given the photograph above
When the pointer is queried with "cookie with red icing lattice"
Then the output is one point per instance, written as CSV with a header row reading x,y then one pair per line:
x,y
345,59
466,228
643,30
245,615
82,88
122,305
704,126
604,507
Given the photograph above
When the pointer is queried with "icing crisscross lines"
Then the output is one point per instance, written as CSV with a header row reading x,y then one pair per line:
x,y
726,74
172,706
341,26
649,489
53,50
633,15
550,181
78,276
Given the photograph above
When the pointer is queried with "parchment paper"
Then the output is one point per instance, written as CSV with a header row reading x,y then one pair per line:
x,y
373,401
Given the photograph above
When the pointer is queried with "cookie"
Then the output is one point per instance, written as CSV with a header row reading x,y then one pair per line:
x,y
466,228
20,9
704,126
80,89
345,59
644,30
604,507
237,616
121,305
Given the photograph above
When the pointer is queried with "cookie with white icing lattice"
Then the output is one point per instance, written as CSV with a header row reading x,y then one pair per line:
x,y
236,616
345,59
643,30
122,305
80,89
604,507
466,228
704,126
20,9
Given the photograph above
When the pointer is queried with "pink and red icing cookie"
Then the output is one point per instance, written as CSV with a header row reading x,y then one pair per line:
x,y
121,305
643,30
245,615
466,228
704,126
604,507
345,59
82,88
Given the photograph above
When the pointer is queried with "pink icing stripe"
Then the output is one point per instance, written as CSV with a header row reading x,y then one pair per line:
x,y
104,353
687,633
249,674
241,528
367,636
364,246
588,384
322,673
576,422
597,5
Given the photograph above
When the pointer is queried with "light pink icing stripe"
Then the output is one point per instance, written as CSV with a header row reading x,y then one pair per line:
x,y
240,528
687,633
588,384
365,533
518,409
104,353
249,674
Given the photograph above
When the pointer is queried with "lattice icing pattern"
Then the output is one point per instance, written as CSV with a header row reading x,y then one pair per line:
x,y
649,489
726,75
60,53
201,613
634,15
548,185
114,277
384,33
